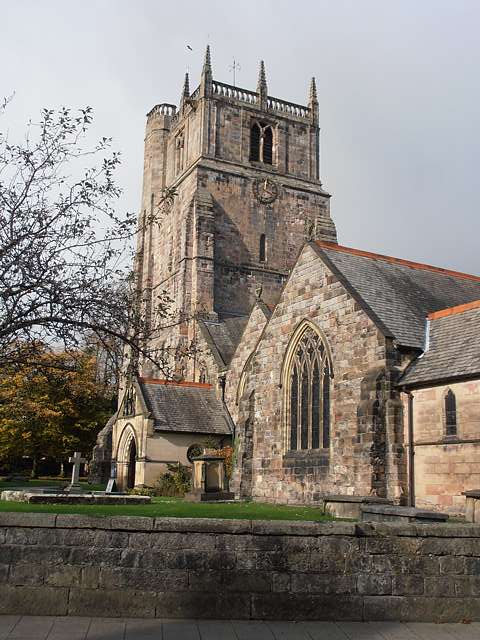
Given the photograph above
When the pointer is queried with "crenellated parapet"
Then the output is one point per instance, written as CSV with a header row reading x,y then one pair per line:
x,y
163,109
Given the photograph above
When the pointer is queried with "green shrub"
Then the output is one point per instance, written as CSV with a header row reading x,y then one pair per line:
x,y
142,491
175,482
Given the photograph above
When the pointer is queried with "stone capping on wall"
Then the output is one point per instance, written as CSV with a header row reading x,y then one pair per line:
x,y
232,526
242,569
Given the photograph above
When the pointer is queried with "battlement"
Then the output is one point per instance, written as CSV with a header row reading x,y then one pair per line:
x,y
259,99
164,109
237,94
246,96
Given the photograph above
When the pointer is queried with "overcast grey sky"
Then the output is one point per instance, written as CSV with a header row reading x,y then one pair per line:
x,y
398,82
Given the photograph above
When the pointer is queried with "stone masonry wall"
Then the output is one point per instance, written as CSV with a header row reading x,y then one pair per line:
x,y
359,361
445,465
236,373
200,568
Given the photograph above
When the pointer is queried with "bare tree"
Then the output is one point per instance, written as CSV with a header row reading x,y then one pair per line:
x,y
65,254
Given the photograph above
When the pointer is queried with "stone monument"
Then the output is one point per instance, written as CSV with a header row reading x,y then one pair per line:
x,y
209,479
77,461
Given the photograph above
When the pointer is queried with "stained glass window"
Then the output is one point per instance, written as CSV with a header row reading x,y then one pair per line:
x,y
309,394
294,410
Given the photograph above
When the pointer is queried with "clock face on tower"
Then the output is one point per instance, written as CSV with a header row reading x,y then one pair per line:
x,y
265,190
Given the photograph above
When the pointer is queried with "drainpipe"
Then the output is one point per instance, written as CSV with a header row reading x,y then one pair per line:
x,y
411,452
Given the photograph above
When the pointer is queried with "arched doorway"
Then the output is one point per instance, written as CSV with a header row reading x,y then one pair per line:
x,y
131,462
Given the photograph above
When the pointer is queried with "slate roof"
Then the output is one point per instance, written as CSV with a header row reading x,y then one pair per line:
x,y
398,294
223,335
453,349
187,407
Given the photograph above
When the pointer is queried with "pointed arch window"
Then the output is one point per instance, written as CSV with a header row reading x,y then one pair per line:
x,y
308,389
261,143
267,145
255,135
450,414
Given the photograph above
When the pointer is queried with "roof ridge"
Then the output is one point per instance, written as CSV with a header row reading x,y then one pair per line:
x,y
179,383
450,311
407,263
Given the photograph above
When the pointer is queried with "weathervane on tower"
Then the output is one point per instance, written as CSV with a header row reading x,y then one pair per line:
x,y
233,68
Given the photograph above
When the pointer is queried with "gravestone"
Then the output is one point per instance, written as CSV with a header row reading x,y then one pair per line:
x,y
111,486
77,461
386,513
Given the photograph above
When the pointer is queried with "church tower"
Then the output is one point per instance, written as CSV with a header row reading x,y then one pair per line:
x,y
244,167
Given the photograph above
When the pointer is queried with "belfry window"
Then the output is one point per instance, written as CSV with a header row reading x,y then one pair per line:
x,y
267,145
261,143
450,414
262,250
308,380
255,142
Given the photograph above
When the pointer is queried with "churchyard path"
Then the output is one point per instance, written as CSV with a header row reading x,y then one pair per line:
x,y
71,628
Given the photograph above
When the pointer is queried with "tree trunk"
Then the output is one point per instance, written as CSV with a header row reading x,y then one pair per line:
x,y
34,473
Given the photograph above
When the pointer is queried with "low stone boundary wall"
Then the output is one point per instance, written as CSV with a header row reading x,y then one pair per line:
x,y
200,568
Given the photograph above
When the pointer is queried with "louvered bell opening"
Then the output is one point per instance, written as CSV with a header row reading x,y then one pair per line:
x,y
268,145
255,143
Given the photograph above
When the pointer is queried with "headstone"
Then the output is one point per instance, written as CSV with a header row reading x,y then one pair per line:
x,y
111,486
77,461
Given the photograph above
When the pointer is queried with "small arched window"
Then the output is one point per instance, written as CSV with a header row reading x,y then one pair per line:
x,y
255,135
309,379
450,414
267,145
262,250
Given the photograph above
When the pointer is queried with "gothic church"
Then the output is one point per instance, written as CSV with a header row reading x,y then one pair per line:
x,y
332,370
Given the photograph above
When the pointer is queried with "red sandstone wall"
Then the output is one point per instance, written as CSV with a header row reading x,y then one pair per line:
x,y
446,466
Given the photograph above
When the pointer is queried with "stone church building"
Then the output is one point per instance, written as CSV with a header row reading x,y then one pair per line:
x,y
332,370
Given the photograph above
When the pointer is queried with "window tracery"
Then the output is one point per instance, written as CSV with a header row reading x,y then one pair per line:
x,y
308,380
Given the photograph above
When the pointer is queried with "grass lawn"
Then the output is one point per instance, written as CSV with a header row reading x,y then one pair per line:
x,y
177,508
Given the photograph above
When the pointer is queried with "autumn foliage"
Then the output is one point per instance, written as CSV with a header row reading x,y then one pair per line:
x,y
50,408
